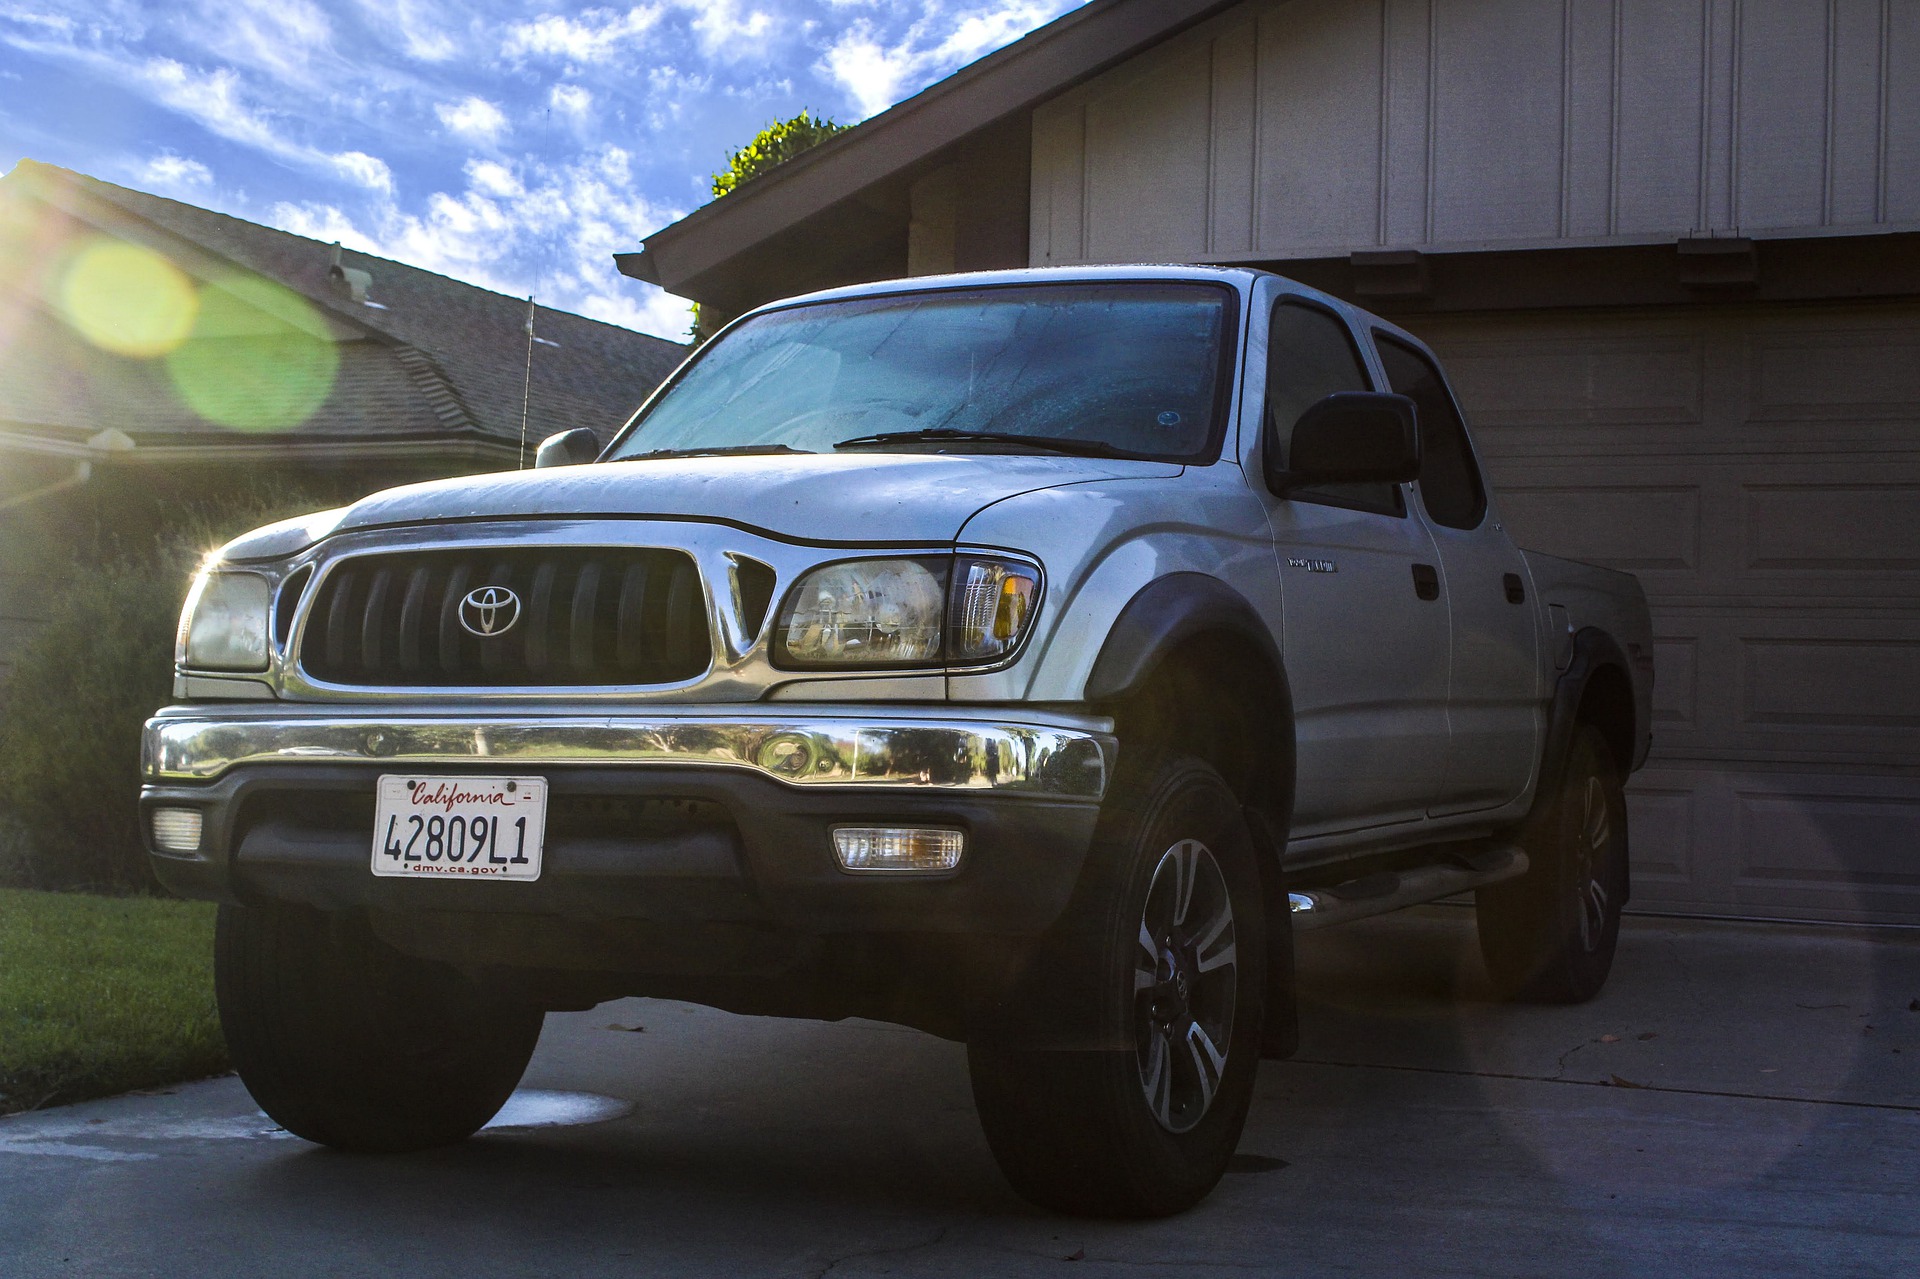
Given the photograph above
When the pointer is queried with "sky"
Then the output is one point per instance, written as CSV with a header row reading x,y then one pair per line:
x,y
515,144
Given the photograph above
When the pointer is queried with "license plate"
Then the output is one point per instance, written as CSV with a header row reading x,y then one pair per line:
x,y
460,827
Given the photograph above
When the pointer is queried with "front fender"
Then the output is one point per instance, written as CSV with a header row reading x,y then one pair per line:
x,y
1168,612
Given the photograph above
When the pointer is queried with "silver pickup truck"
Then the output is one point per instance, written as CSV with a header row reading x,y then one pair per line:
x,y
1024,657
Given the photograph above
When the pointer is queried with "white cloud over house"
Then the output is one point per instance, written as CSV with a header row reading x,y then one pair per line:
x,y
473,118
168,173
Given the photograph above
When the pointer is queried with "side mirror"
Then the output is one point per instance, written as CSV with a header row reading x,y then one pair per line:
x,y
1351,437
569,448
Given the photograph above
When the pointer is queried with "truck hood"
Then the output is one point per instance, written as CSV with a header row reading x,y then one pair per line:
x,y
847,497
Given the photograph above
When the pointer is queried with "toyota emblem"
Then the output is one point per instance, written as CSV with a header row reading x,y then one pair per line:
x,y
489,610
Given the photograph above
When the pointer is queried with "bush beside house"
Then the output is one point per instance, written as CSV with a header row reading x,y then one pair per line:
x,y
98,666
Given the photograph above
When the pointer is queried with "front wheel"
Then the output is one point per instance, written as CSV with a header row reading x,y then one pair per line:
x,y
1549,936
1167,942
347,1042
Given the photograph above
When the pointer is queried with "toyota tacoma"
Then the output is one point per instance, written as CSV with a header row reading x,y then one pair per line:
x,y
1024,657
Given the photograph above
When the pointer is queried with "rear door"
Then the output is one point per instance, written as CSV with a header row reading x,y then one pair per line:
x,y
1494,698
1365,644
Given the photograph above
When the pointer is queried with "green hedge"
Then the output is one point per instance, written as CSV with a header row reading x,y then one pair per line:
x,y
70,716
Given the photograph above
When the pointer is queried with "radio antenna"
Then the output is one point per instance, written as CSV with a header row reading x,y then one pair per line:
x,y
526,386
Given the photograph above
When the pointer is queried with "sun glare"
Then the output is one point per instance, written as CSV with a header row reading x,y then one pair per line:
x,y
260,358
127,299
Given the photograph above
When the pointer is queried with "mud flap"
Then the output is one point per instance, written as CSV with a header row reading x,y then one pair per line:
x,y
1280,1035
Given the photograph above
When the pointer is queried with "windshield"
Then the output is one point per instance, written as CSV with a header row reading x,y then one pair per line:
x,y
1130,368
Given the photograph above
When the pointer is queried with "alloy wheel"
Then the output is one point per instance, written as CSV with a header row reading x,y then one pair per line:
x,y
1591,861
1184,978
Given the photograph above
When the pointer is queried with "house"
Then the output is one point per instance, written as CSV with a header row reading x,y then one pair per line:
x,y
151,350
1670,252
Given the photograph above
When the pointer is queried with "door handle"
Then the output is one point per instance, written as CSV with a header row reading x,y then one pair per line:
x,y
1516,589
1426,581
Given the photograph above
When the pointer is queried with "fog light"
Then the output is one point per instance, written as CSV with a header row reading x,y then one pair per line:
x,y
883,848
177,829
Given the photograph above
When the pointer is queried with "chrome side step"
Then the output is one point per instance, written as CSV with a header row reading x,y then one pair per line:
x,y
1385,891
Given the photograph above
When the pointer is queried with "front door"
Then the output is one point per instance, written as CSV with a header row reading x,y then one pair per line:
x,y
1365,632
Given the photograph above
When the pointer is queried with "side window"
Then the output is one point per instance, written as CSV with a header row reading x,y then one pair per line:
x,y
1449,481
1310,355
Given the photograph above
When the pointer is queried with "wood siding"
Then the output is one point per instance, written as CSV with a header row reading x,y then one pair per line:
x,y
1312,128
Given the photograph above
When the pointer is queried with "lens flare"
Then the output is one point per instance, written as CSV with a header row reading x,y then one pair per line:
x,y
127,299
260,357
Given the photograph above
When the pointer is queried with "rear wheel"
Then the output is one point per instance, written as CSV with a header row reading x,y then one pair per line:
x,y
1168,943
1549,936
346,1042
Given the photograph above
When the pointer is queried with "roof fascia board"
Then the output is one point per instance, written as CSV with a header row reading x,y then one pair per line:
x,y
1046,62
315,451
215,450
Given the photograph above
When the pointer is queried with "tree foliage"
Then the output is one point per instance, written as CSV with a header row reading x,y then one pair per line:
x,y
774,146
770,148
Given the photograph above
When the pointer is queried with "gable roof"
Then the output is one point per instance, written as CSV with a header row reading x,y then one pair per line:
x,y
426,363
693,257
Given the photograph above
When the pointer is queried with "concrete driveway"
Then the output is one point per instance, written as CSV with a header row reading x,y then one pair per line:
x,y
1743,1100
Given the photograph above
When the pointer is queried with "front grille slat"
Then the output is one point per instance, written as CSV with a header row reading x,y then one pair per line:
x,y
457,578
373,621
586,600
539,619
412,607
628,644
585,617
339,615
680,601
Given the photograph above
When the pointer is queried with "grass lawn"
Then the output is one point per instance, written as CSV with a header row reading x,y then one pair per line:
x,y
99,995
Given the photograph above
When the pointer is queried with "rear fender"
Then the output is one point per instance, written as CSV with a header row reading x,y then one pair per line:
x,y
1594,651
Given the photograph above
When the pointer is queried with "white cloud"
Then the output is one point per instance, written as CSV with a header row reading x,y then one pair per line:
x,y
290,41
170,172
547,229
595,35
493,178
216,101
871,74
571,100
725,32
877,72
646,308
324,222
426,35
473,118
368,171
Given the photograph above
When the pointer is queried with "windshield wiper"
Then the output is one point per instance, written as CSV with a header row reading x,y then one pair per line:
x,y
731,450
939,434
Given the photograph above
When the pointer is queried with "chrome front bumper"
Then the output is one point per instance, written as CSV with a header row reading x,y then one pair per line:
x,y
1066,757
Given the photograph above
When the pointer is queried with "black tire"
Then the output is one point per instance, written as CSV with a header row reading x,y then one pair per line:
x,y
1549,936
1141,1129
344,1041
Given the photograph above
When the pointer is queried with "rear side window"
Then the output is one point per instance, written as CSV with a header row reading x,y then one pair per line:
x,y
1310,355
1449,482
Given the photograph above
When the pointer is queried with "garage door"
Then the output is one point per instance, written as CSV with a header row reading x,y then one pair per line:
x,y
1759,469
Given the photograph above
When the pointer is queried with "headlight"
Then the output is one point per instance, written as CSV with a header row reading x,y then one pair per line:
x,y
906,612
224,624
865,613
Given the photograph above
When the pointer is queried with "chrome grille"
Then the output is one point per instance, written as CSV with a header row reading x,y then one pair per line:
x,y
585,616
